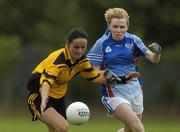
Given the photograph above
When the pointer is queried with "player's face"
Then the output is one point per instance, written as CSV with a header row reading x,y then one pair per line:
x,y
118,28
78,48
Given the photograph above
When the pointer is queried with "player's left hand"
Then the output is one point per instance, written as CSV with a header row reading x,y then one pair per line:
x,y
113,79
155,48
130,77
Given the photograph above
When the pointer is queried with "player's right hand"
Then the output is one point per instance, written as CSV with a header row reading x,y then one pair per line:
x,y
112,78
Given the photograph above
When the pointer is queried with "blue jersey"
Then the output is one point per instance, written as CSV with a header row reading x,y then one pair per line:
x,y
119,57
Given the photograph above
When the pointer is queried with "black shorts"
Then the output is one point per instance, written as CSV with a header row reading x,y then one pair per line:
x,y
34,102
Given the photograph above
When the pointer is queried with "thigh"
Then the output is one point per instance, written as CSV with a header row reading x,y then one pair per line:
x,y
53,119
124,113
111,103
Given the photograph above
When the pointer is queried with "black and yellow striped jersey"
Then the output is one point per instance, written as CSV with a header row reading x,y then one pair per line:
x,y
59,68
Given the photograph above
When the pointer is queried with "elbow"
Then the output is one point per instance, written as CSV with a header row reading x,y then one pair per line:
x,y
155,59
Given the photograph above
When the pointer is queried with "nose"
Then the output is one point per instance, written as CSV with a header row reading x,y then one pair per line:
x,y
80,50
119,30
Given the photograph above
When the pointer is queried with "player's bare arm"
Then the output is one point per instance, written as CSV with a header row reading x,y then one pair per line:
x,y
44,96
154,53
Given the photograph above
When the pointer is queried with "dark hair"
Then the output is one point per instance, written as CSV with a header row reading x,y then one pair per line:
x,y
76,33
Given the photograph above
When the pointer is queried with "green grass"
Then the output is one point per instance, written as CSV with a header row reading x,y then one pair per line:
x,y
21,124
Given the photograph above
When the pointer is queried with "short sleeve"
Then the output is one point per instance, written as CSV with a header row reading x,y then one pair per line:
x,y
140,46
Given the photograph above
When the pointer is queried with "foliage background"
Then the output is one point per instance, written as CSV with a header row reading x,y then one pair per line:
x,y
30,30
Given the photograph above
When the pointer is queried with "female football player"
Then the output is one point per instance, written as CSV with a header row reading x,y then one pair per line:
x,y
48,82
118,51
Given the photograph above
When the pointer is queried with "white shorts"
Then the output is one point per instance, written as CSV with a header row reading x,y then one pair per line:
x,y
111,103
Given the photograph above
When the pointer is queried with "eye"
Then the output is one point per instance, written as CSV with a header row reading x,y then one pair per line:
x,y
76,47
122,26
83,47
115,26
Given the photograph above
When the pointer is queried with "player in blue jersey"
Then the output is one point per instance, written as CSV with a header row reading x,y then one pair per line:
x,y
118,51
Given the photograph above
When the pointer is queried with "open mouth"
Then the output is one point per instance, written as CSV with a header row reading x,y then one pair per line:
x,y
119,36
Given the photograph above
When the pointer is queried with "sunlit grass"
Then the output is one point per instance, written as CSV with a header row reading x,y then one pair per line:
x,y
24,124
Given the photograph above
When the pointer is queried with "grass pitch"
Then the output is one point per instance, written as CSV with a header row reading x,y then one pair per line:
x,y
24,124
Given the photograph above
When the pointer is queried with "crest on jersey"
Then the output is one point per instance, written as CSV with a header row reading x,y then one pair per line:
x,y
108,49
128,45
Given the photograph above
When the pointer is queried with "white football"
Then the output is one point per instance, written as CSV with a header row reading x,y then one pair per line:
x,y
78,113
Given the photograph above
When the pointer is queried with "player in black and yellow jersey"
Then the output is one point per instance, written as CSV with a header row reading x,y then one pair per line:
x,y
48,82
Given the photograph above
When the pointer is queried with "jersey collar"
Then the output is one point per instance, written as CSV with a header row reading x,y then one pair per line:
x,y
68,55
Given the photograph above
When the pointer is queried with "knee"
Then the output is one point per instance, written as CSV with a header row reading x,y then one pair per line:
x,y
62,127
121,130
138,127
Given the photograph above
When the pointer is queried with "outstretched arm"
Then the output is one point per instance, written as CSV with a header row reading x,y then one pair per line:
x,y
154,53
113,79
44,96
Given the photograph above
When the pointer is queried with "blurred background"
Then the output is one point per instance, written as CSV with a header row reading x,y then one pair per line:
x,y
30,30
